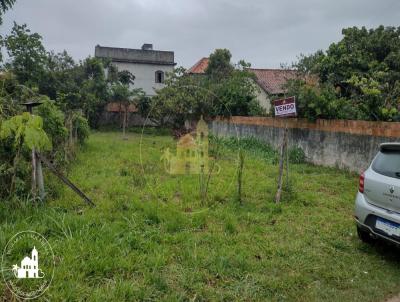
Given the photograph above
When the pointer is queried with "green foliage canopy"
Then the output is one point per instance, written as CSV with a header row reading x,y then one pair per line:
x,y
26,130
359,77
224,89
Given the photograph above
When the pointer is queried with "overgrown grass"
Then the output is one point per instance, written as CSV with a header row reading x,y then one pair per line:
x,y
151,238
257,148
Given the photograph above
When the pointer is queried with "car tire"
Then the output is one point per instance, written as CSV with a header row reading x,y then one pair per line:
x,y
365,236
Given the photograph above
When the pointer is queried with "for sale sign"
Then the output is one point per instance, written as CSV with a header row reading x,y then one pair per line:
x,y
285,107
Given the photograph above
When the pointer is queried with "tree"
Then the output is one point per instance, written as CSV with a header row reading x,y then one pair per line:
x,y
362,71
59,75
225,89
5,5
27,55
126,77
219,65
183,98
82,86
122,93
236,94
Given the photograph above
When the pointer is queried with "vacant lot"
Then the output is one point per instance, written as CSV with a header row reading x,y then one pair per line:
x,y
152,238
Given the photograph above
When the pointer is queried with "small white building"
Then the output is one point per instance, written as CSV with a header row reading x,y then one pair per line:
x,y
149,66
29,266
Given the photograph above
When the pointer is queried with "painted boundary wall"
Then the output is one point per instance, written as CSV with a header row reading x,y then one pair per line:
x,y
345,144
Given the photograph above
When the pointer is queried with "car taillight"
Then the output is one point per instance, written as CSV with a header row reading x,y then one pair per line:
x,y
361,183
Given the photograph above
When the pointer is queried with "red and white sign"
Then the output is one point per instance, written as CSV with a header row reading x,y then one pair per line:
x,y
285,107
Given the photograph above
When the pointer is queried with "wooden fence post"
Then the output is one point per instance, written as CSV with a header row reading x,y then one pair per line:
x,y
33,172
39,178
281,162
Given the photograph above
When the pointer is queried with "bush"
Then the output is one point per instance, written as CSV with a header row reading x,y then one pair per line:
x,y
82,126
53,122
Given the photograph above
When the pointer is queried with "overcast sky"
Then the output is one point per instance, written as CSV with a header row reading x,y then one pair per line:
x,y
265,33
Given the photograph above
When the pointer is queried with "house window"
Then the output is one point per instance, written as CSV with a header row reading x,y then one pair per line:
x,y
159,76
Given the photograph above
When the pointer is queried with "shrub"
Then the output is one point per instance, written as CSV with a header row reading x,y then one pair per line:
x,y
83,128
53,122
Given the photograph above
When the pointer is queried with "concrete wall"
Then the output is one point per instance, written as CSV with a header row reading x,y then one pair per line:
x,y
114,119
145,75
143,64
135,55
344,144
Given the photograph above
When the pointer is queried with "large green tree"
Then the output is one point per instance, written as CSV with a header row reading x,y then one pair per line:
x,y
27,55
225,89
362,70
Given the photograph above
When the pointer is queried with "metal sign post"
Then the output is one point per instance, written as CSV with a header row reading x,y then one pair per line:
x,y
284,108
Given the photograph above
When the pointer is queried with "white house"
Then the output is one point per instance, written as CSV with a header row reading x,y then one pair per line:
x,y
149,66
29,267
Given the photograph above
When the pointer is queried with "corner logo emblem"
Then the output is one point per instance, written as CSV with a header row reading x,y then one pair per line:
x,y
27,275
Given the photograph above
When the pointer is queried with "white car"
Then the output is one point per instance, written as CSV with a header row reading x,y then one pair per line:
x,y
377,210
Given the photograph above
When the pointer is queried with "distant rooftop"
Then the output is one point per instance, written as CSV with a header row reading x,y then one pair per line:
x,y
145,55
272,81
200,67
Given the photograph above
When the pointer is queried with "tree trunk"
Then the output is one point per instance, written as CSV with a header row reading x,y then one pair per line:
x,y
70,126
33,172
39,177
281,161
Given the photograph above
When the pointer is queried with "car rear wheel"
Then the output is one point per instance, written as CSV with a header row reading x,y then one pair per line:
x,y
365,236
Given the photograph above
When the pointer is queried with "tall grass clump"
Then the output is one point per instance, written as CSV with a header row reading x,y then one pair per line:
x,y
251,145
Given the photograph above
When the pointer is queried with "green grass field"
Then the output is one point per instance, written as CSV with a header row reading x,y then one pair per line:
x,y
150,237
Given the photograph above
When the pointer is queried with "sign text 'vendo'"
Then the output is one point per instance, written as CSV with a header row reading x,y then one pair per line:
x,y
285,107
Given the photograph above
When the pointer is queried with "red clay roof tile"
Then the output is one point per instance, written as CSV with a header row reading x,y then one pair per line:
x,y
200,67
270,80
273,80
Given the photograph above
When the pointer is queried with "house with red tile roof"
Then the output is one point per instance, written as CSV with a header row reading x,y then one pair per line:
x,y
200,67
271,82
